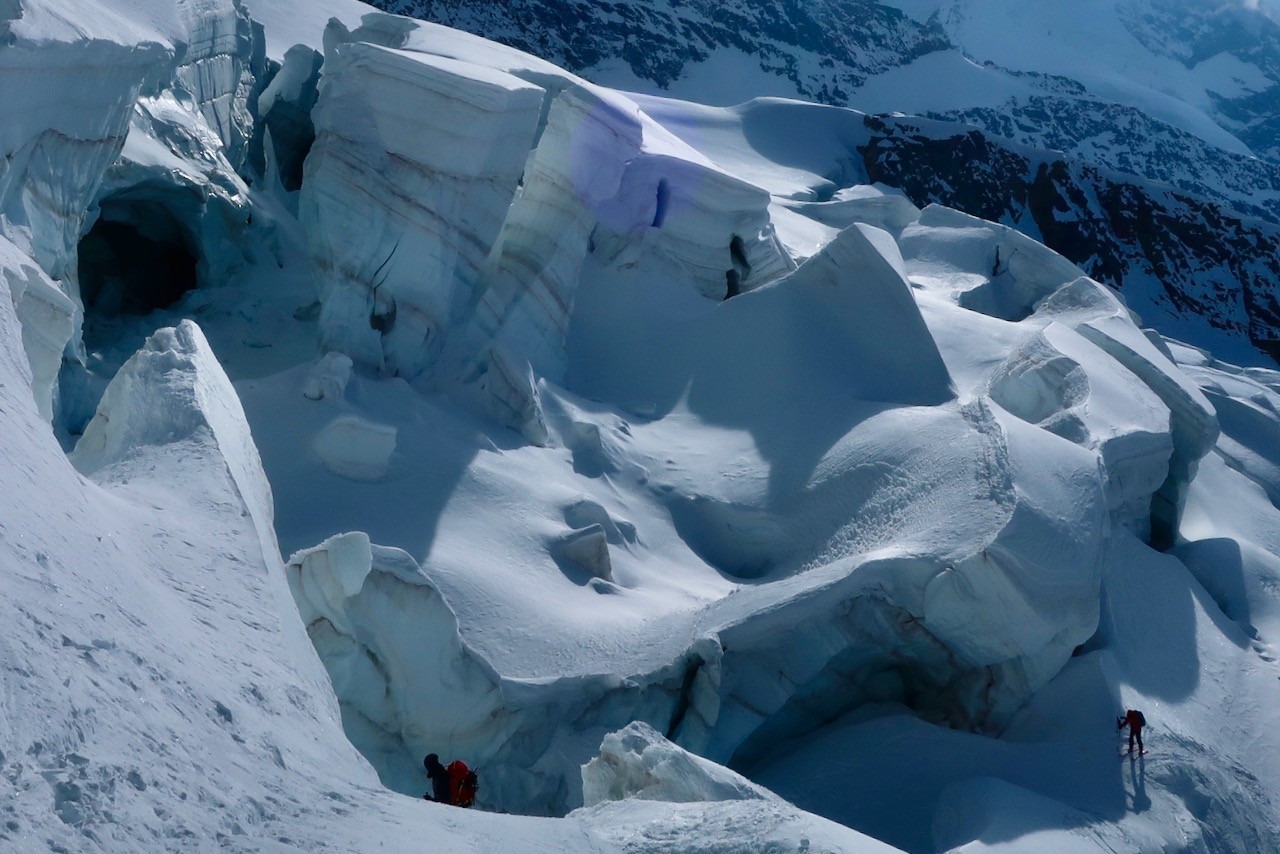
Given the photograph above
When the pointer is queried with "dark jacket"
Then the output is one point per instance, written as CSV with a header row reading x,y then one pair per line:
x,y
439,778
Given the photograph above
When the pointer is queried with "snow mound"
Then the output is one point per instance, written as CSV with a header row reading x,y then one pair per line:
x,y
1086,372
328,378
172,390
356,448
990,815
637,762
1008,272
637,769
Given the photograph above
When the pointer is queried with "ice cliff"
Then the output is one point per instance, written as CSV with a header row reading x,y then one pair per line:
x,y
473,283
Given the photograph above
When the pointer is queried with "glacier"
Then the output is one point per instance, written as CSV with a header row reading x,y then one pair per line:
x,y
702,493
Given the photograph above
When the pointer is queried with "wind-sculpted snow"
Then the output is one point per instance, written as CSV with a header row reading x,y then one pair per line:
x,y
1169,425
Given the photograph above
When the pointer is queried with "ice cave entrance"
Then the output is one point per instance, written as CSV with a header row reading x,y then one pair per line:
x,y
136,258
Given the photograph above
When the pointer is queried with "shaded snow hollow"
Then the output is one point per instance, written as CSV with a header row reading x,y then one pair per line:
x,y
609,458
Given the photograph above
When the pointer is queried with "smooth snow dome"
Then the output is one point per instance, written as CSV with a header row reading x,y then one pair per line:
x,y
372,390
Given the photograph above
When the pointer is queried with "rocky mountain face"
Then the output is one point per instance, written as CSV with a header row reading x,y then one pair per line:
x,y
1192,32
1184,225
1204,259
826,48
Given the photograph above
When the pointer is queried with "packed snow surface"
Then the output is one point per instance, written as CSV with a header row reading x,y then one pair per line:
x,y
615,442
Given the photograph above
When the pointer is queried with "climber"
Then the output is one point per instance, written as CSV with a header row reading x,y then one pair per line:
x,y
439,780
1135,721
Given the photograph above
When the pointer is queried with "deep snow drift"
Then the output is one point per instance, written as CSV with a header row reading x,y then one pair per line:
x,y
616,442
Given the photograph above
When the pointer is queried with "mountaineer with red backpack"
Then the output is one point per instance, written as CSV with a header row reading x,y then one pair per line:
x,y
463,784
1135,721
455,785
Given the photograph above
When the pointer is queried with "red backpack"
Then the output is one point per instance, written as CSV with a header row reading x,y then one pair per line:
x,y
463,784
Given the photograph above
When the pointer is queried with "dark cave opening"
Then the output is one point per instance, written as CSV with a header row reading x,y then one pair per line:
x,y
135,259
135,264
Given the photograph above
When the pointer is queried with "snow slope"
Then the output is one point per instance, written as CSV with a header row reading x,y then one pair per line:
x,y
616,442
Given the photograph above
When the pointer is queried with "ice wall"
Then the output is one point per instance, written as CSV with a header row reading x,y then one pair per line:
x,y
173,181
72,127
409,685
74,124
79,82
47,316
415,162
284,112
220,68
467,280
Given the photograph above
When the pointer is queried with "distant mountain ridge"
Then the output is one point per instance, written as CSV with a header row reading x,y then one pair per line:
x,y
826,48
